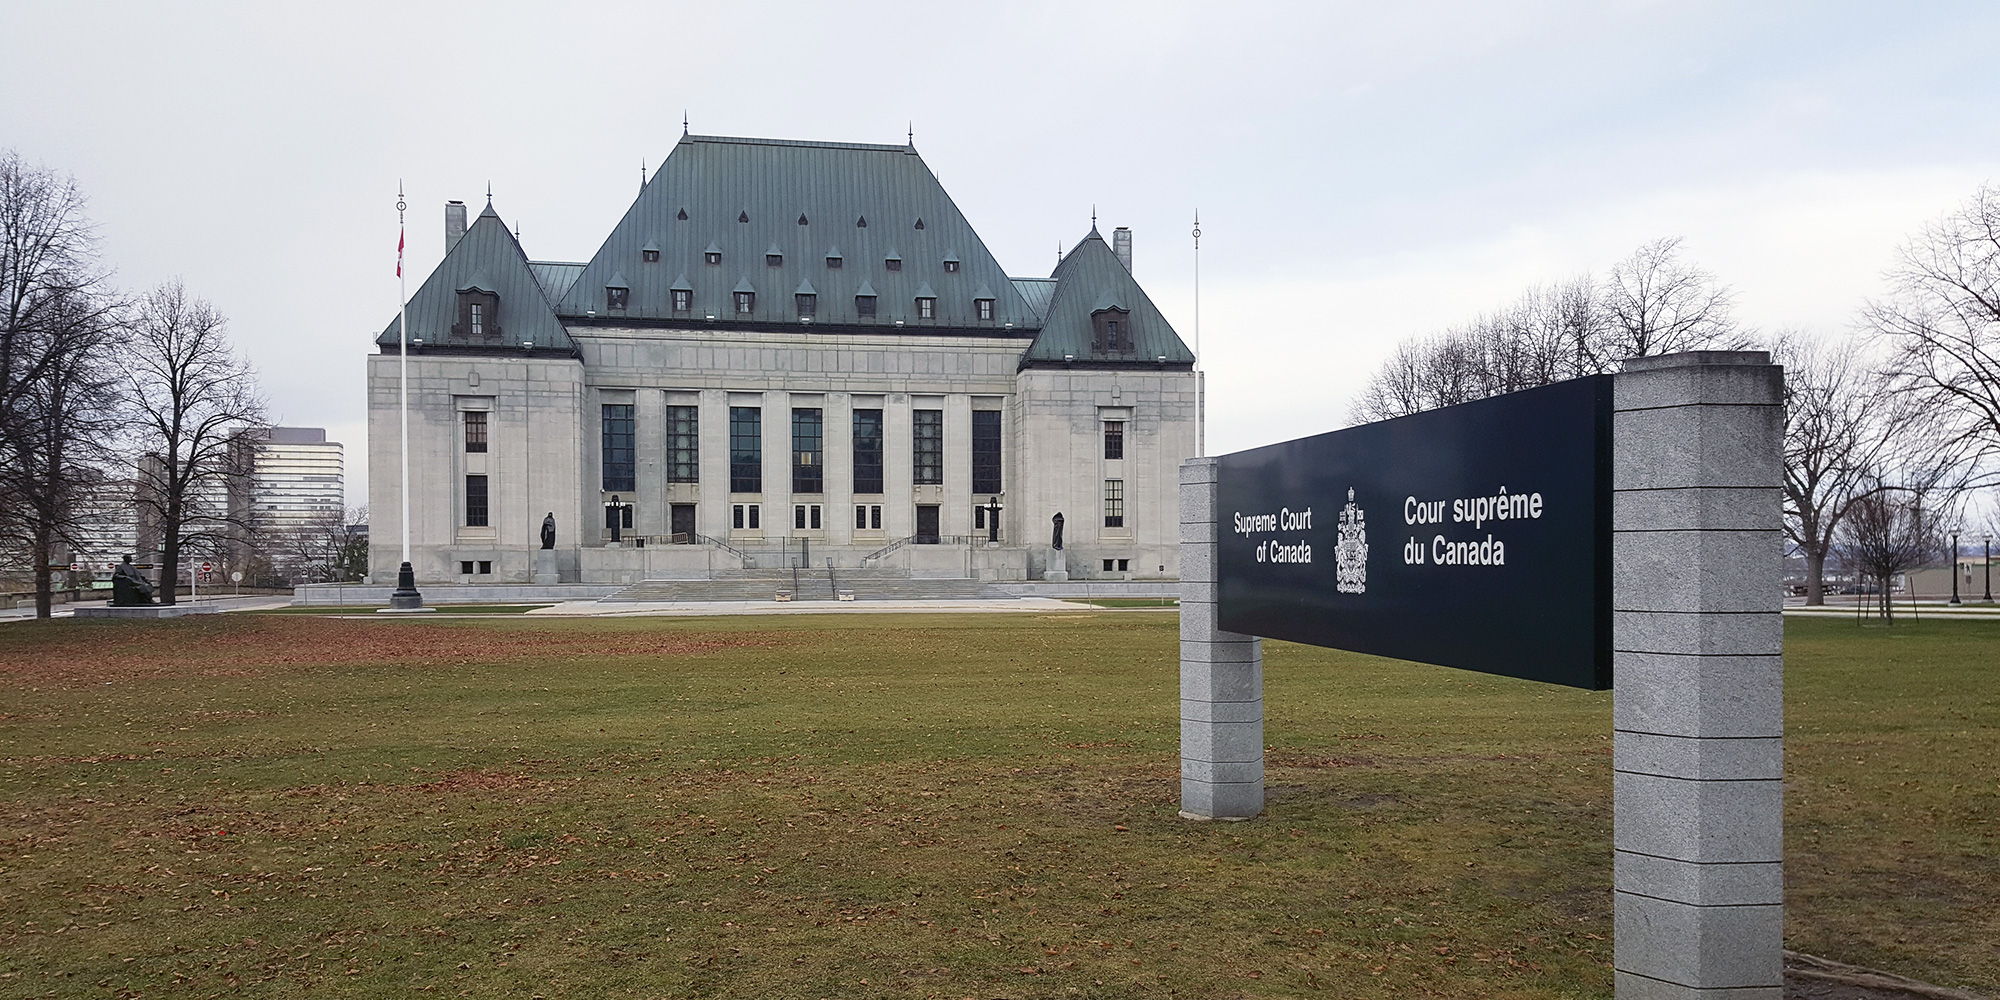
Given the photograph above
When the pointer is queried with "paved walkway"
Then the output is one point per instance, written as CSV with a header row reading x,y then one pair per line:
x,y
206,603
628,609
1982,612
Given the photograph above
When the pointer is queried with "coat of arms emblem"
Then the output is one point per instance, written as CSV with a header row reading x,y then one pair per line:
x,y
1350,550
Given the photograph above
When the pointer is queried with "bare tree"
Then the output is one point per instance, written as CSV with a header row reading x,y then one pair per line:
x,y
1839,423
1942,317
66,420
1656,303
1887,533
193,396
60,335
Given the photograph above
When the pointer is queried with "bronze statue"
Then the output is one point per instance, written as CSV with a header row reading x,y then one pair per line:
x,y
1056,543
549,531
129,587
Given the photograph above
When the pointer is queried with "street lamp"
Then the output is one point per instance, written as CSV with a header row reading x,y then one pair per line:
x,y
1954,568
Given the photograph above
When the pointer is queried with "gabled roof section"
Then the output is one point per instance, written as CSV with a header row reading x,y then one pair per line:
x,y
774,183
555,277
1037,292
489,259
1089,280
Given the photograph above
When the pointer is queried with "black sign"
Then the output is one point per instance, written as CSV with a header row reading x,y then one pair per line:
x,y
1476,536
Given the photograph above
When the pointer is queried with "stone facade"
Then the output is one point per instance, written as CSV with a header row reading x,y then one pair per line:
x,y
527,409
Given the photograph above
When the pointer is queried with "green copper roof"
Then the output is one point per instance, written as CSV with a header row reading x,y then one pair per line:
x,y
486,259
718,183
1089,279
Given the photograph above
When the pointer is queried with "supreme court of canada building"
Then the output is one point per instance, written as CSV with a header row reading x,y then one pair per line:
x,y
784,352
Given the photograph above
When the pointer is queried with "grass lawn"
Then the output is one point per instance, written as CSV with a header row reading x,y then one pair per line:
x,y
872,805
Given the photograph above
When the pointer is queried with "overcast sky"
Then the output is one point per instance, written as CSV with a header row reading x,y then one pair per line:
x,y
1364,171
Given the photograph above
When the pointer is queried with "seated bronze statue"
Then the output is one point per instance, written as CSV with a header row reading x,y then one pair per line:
x,y
129,587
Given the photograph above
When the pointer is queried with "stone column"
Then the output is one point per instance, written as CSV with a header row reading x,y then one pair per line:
x,y
1697,759
1222,674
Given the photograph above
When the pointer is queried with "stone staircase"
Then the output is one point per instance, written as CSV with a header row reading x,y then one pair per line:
x,y
876,584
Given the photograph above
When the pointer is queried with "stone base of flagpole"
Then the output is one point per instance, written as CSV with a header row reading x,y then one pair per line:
x,y
405,599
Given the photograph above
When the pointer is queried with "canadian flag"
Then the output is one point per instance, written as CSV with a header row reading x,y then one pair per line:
x,y
399,253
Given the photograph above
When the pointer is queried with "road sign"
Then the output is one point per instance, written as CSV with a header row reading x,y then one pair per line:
x,y
206,568
73,567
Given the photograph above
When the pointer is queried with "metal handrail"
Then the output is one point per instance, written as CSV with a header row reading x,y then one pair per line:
x,y
745,557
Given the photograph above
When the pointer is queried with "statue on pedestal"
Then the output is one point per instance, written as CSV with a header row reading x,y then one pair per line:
x,y
549,531
1056,570
129,587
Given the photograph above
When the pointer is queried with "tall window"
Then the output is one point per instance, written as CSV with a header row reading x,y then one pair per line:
x,y
926,308
927,446
808,453
478,320
867,451
683,444
1114,439
986,451
475,502
475,432
1114,503
746,449
617,447
683,299
746,302
985,307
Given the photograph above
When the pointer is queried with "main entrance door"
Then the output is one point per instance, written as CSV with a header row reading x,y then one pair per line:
x,y
927,524
682,525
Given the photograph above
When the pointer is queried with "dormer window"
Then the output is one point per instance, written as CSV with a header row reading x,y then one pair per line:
x,y
926,308
951,265
774,260
893,263
683,299
746,303
833,262
650,255
808,303
615,296
712,257
1112,327
984,309
478,316
864,306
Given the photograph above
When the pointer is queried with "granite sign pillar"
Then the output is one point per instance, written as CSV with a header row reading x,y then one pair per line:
x,y
1698,712
1222,674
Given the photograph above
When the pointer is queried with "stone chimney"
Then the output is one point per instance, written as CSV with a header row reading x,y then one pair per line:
x,y
1121,244
454,224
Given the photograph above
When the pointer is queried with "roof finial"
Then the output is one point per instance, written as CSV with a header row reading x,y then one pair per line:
x,y
642,175
684,121
913,132
489,194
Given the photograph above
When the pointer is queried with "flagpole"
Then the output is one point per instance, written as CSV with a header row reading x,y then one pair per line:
x,y
403,366
405,597
1200,378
